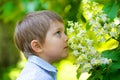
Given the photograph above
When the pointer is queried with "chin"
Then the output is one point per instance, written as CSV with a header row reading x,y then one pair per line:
x,y
65,55
62,57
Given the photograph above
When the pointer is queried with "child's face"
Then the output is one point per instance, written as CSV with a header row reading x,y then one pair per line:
x,y
55,46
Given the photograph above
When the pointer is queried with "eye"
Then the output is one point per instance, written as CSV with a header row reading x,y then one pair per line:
x,y
58,33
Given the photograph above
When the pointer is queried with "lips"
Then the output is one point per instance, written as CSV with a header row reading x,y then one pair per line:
x,y
66,47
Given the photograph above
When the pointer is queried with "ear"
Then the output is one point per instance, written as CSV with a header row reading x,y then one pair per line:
x,y
36,46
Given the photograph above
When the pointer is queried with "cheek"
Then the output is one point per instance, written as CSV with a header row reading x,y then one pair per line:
x,y
54,45
56,49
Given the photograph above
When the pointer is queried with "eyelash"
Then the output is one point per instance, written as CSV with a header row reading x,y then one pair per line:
x,y
58,33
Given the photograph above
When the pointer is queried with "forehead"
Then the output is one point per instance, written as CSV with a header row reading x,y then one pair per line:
x,y
56,25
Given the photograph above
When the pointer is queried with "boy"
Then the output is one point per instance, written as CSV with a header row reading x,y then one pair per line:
x,y
40,36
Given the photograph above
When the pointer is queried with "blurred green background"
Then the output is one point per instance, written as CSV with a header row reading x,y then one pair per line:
x,y
11,60
11,11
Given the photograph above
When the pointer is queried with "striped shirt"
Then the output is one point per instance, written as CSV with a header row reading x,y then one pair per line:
x,y
37,69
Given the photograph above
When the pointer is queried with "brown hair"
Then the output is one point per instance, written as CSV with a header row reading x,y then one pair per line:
x,y
34,26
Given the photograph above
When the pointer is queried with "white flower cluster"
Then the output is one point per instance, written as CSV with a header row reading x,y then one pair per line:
x,y
90,8
83,45
104,28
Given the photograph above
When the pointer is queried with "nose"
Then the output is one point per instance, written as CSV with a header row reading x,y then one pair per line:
x,y
66,38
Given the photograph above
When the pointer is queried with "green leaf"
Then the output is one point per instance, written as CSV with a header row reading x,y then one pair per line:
x,y
78,72
111,9
83,18
114,75
88,26
115,66
113,54
106,76
118,3
96,76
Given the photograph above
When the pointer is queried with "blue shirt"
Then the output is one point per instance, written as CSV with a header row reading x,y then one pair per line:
x,y
37,69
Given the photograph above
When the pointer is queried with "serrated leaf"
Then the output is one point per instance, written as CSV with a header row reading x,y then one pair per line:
x,y
111,9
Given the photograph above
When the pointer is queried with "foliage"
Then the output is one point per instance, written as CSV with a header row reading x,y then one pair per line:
x,y
12,72
89,19
112,8
13,10
100,27
110,72
68,9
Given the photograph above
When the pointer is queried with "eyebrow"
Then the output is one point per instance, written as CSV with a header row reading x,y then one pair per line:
x,y
60,28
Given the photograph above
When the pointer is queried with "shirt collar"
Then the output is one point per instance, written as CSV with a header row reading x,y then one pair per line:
x,y
41,63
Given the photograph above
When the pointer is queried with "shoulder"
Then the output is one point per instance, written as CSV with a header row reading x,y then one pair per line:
x,y
34,77
34,72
